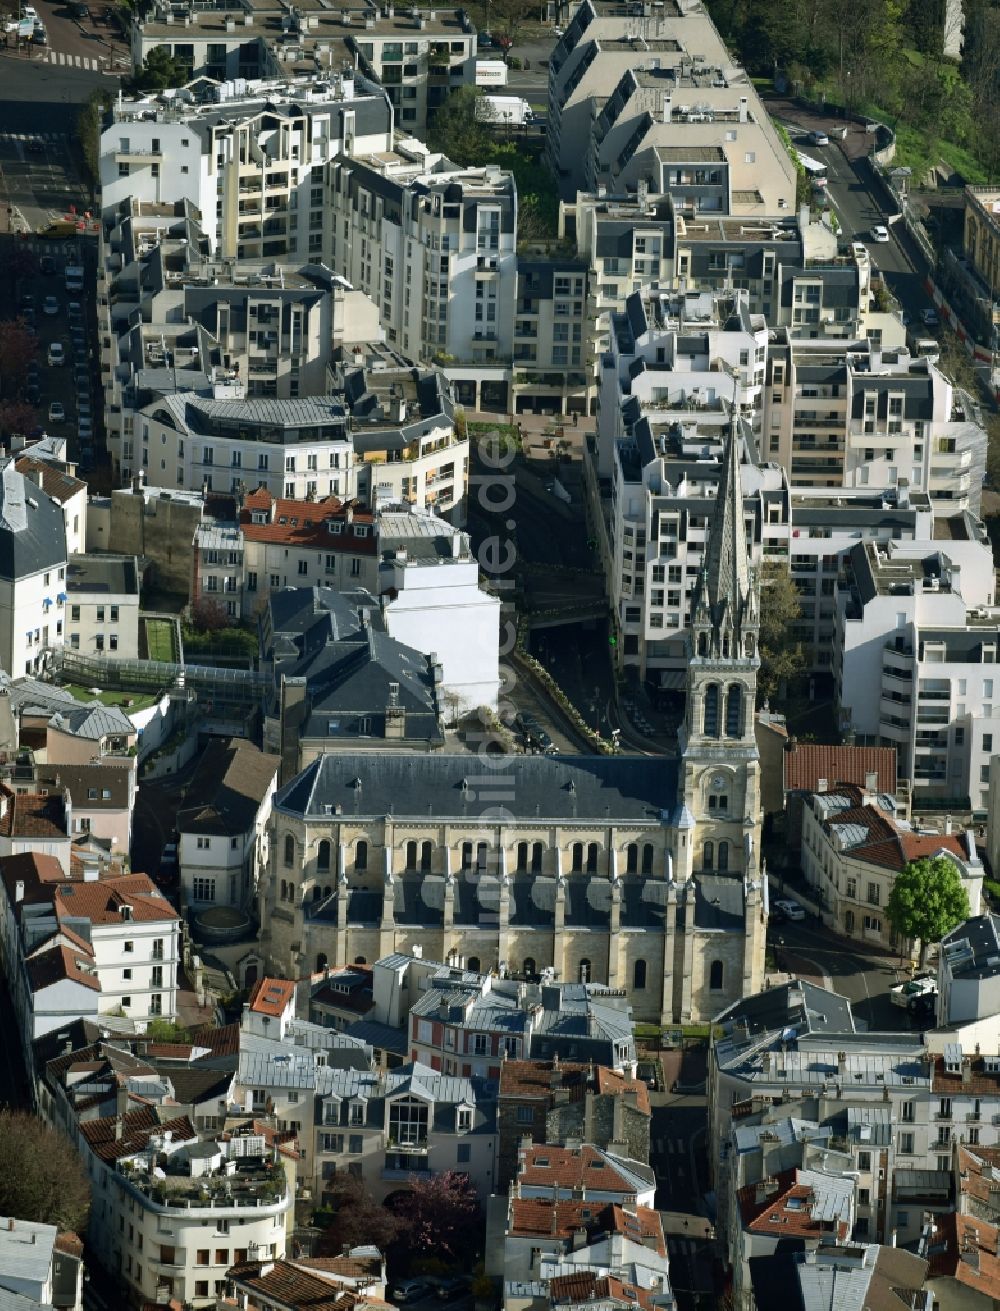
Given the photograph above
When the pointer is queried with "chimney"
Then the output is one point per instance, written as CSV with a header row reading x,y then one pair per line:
x,y
668,103
555,1220
19,890
744,109
966,1072
579,1238
947,824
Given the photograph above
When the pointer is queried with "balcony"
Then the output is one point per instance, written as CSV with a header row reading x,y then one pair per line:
x,y
176,1262
943,1115
408,1144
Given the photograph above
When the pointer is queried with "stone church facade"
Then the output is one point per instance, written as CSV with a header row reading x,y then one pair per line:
x,y
636,871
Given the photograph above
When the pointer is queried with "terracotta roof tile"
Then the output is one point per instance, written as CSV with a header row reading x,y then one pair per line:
x,y
304,523
102,901
887,844
348,1267
792,1210
292,1287
58,963
56,483
536,1217
572,1167
272,996
534,1078
965,1249
805,765
103,1138
975,1079
32,814
610,1081
589,1286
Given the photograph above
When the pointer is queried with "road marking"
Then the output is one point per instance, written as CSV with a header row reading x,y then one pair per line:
x,y
64,60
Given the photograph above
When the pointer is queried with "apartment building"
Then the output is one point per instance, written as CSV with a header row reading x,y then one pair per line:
x,y
555,1251
685,127
32,574
855,842
982,235
797,1044
223,828
410,1122
605,40
475,1028
852,414
102,606
75,945
175,1209
418,55
388,433
667,477
858,1276
341,683
298,1285
250,159
433,245
554,1101
102,797
61,486
914,647
40,1267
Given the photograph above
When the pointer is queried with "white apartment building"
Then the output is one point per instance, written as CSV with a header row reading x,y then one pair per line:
x,y
386,433
32,572
418,55
663,489
696,131
249,158
102,608
599,117
78,945
914,649
845,413
854,843
222,827
433,245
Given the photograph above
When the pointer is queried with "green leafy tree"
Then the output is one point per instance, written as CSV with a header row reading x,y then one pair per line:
x,y
927,901
41,1177
161,70
456,130
781,655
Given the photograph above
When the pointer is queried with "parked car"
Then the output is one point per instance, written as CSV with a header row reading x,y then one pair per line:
x,y
47,265
912,991
50,305
33,394
57,412
74,310
880,232
57,354
85,428
411,1290
27,301
929,318
449,1289
790,909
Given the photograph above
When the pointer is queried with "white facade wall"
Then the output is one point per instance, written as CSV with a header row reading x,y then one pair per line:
x,y
103,624
137,962
29,626
441,609
60,1004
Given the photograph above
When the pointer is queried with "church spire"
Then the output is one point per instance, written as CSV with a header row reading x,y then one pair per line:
x,y
724,598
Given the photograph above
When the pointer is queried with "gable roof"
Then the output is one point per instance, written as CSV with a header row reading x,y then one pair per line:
x,y
582,1167
271,996
103,901
230,784
289,1286
59,964
57,483
806,763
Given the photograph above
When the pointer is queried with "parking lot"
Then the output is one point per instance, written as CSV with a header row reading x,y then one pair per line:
x,y
62,393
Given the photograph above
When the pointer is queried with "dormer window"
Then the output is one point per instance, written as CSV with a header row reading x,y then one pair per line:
x,y
360,530
259,516
463,1119
357,1113
335,526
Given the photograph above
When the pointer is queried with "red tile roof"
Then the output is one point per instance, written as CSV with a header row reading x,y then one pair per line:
x,y
789,1214
283,1283
976,1166
347,1267
588,1286
887,844
965,1249
32,814
617,1085
304,523
57,964
538,1217
118,1136
572,1167
272,996
975,1080
535,1078
102,901
805,765
56,483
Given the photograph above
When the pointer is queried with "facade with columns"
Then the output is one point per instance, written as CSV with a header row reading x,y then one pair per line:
x,y
635,871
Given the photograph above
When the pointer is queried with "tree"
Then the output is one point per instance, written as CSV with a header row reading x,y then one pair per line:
x,y
209,615
19,262
781,656
927,901
161,70
509,14
41,1177
456,130
17,417
442,1217
17,349
356,1218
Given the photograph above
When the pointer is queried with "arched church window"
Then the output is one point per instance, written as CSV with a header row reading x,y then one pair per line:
x,y
711,721
723,857
632,858
734,711
708,856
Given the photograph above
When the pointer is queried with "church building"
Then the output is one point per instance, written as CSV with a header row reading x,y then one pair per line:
x,y
640,872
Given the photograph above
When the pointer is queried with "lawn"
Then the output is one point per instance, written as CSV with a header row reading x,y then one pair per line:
x,y
161,640
139,700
